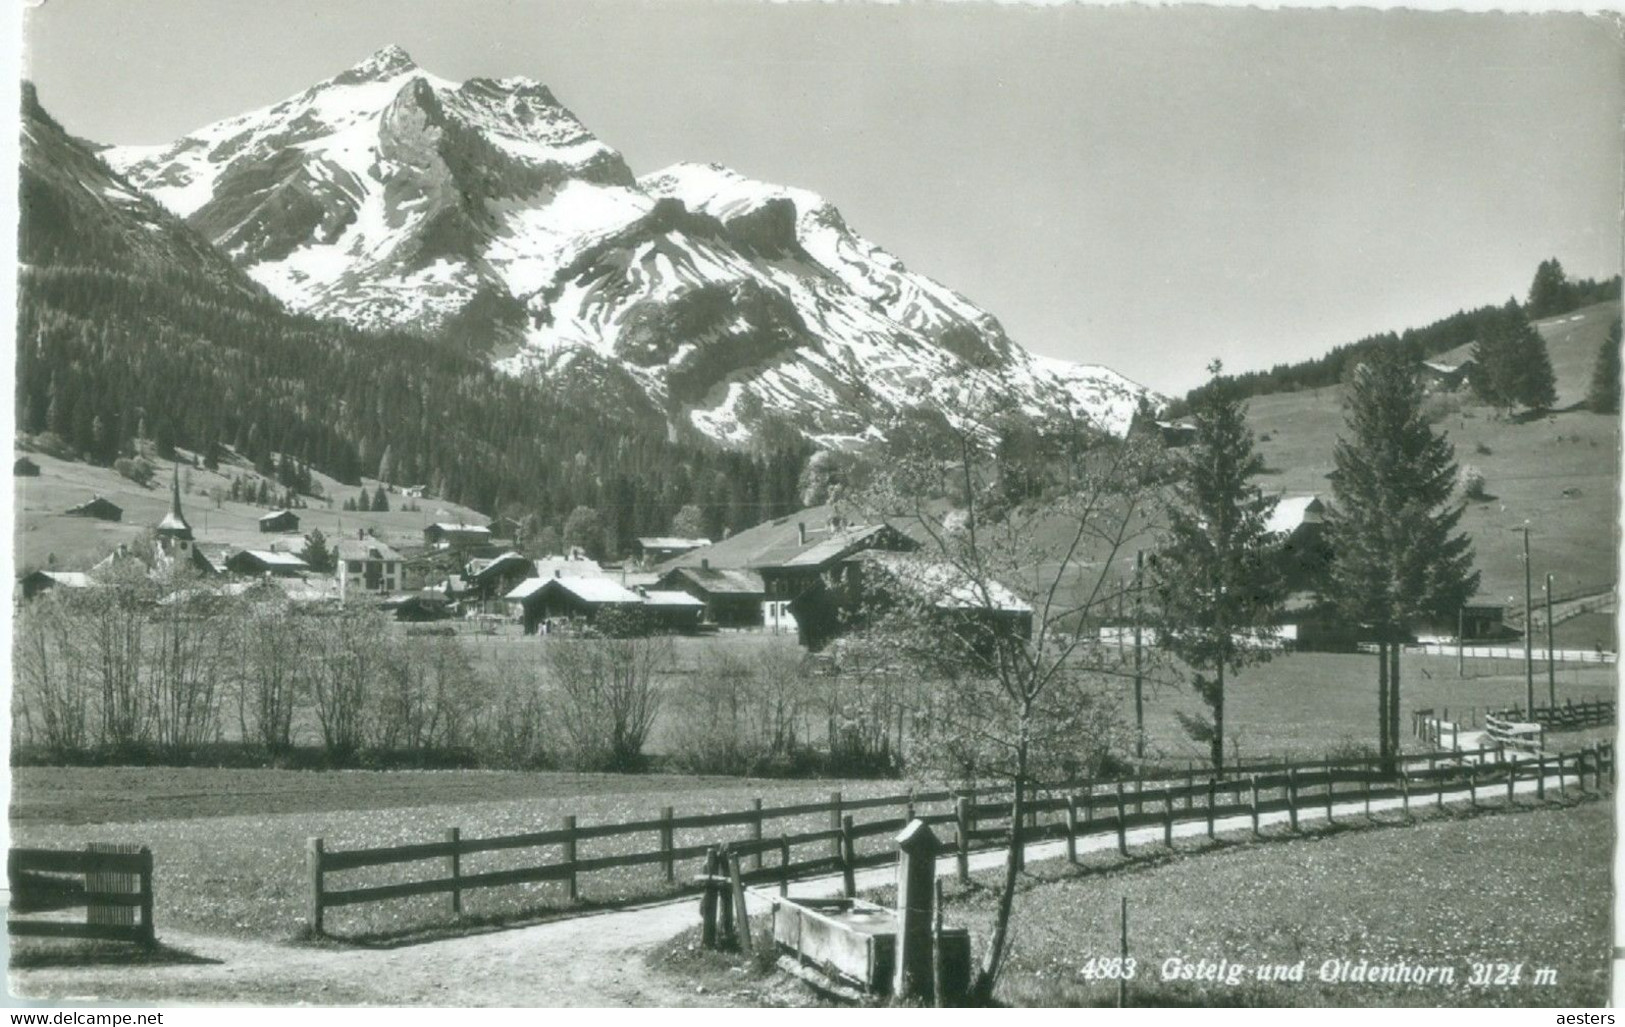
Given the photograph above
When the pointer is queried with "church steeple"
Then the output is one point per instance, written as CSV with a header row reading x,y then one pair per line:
x,y
174,526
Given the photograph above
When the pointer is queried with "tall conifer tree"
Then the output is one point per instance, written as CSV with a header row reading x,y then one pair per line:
x,y
1218,580
1400,560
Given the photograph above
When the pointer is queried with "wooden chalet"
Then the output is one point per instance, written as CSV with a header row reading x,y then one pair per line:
x,y
672,610
542,600
1300,524
38,582
488,579
660,548
448,534
99,508
279,522
366,565
259,563
732,596
24,468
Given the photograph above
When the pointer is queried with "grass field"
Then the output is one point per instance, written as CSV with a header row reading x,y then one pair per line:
x,y
42,531
1526,466
1305,704
1530,888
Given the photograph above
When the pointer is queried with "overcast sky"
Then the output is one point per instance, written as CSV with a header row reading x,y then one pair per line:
x,y
1146,189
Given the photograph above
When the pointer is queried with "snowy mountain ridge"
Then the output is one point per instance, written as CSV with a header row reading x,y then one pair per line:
x,y
486,211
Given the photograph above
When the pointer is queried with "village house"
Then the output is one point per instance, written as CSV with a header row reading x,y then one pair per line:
x,y
661,548
542,600
99,508
670,610
24,468
367,565
279,522
732,597
38,582
259,563
1299,522
488,579
790,555
443,534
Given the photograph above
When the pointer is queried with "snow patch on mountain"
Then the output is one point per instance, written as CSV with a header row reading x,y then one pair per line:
x,y
390,197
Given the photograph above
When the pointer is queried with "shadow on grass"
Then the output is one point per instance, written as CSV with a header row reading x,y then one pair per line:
x,y
42,954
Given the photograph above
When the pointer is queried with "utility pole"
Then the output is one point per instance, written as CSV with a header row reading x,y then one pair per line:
x,y
1139,701
1551,667
1528,624
1461,643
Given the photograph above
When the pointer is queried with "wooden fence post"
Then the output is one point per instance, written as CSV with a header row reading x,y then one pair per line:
x,y
835,823
1562,785
784,864
1122,979
1540,779
1512,777
1292,796
1472,786
1139,793
962,837
1122,827
454,869
148,931
1365,791
1438,780
1252,779
569,854
1328,769
668,844
727,934
1405,793
1212,795
708,902
756,833
908,807
1071,828
1168,817
937,998
848,857
1190,787
313,865
741,914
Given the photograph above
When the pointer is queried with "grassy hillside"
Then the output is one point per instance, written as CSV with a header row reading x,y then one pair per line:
x,y
1527,466
42,531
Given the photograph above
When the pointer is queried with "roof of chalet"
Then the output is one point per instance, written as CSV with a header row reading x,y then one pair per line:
x,y
672,542
566,567
481,567
655,597
1292,512
95,501
777,543
364,549
68,579
272,557
598,591
945,586
463,529
722,580
274,514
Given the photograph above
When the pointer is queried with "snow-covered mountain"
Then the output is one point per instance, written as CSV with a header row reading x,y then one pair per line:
x,y
487,212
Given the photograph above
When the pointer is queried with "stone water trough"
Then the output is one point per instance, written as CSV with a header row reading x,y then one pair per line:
x,y
855,942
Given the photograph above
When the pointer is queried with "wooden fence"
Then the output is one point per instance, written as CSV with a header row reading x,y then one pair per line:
x,y
1502,652
116,884
1569,716
1065,811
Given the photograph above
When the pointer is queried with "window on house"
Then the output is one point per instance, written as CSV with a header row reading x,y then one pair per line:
x,y
355,566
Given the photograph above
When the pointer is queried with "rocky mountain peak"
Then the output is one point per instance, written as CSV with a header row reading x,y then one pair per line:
x,y
387,63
